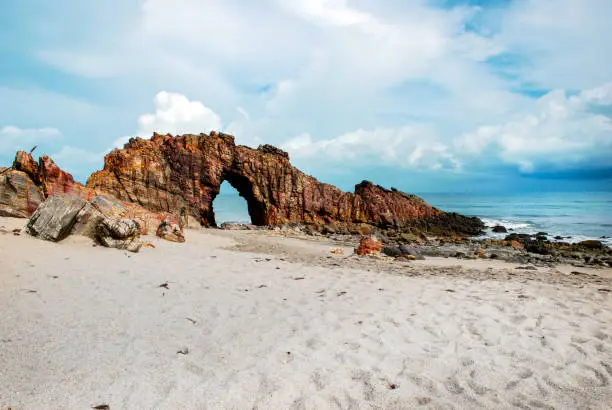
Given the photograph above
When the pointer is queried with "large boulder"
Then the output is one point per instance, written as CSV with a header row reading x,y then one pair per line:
x,y
592,244
170,232
107,207
369,245
19,195
393,251
106,220
118,233
55,218
411,251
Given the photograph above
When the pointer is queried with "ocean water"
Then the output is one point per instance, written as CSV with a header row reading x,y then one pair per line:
x,y
578,215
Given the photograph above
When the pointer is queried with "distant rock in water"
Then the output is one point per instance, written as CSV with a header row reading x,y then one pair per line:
x,y
171,174
499,229
592,244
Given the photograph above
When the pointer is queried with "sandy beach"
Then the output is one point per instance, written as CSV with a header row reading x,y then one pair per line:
x,y
255,320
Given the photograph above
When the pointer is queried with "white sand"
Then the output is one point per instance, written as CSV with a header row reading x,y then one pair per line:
x,y
83,326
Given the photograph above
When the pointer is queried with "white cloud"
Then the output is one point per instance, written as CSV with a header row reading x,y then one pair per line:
x,y
14,138
563,42
176,114
562,132
415,147
69,157
409,73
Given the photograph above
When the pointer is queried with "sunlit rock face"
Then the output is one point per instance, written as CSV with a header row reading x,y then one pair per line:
x,y
183,175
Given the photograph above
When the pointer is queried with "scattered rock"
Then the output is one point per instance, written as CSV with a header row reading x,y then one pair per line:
x,y
329,229
537,247
592,244
517,245
499,229
517,237
528,267
393,251
337,251
369,245
231,226
170,232
119,233
411,251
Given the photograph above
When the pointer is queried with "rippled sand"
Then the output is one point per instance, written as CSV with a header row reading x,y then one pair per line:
x,y
250,320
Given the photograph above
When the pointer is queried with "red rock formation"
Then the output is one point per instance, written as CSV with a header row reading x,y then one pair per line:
x,y
369,245
24,187
19,195
49,177
185,173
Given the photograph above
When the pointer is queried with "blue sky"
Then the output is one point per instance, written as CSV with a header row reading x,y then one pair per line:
x,y
423,95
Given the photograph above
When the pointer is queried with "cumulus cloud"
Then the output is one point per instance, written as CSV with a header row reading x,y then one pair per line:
x,y
73,156
402,83
14,138
413,147
562,132
176,114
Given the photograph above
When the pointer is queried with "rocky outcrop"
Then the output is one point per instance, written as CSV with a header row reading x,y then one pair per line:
x,y
19,195
183,174
106,207
49,177
105,220
28,183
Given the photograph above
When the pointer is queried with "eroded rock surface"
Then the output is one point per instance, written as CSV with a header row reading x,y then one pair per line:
x,y
19,195
183,175
49,177
28,183
118,233
55,218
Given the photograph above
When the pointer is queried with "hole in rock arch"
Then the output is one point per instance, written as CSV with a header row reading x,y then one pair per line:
x,y
229,206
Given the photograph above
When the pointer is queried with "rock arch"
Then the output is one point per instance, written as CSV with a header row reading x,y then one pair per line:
x,y
245,189
168,173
